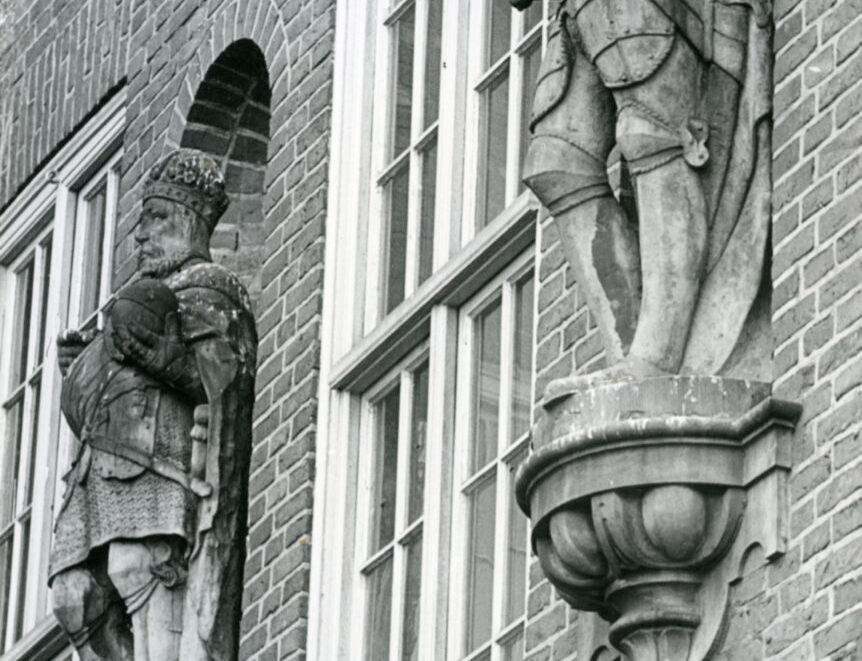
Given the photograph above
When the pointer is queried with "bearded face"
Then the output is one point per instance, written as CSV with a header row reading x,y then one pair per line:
x,y
166,237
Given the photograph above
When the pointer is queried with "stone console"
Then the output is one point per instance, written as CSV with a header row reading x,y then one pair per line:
x,y
644,497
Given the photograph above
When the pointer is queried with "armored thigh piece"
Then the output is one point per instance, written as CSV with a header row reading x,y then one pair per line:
x,y
572,123
90,611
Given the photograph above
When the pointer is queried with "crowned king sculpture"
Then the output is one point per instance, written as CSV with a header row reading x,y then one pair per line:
x,y
149,542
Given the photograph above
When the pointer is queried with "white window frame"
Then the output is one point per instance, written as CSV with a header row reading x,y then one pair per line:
x,y
404,532
502,288
359,348
54,187
385,164
481,74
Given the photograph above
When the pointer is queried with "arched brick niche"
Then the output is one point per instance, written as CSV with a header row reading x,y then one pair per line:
x,y
230,119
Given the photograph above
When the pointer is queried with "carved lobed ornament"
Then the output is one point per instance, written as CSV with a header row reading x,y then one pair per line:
x,y
645,497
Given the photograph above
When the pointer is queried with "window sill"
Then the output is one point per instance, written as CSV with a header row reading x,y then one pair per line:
x,y
43,643
463,275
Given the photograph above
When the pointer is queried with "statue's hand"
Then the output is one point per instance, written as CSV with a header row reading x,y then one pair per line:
x,y
161,354
70,343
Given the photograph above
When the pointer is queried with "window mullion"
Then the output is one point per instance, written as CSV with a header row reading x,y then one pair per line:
x,y
516,89
436,517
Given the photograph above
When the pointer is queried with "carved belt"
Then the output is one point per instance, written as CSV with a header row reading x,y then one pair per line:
x,y
160,467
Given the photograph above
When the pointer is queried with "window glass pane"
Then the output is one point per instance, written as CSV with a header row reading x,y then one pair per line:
x,y
15,433
403,81
495,146
93,244
24,554
418,437
487,387
532,59
34,438
5,585
426,222
516,550
513,649
23,310
499,29
410,631
396,246
480,561
379,611
432,61
523,358
384,478
45,288
532,15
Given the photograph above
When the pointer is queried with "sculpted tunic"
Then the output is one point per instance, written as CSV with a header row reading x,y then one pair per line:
x,y
109,404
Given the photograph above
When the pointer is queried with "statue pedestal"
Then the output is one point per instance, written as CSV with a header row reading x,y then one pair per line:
x,y
644,497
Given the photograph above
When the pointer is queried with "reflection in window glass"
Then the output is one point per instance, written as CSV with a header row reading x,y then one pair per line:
x,y
410,627
403,82
487,387
418,439
426,221
432,62
523,359
480,561
396,248
5,584
94,228
514,648
499,29
379,611
532,59
495,142
386,462
24,552
532,15
24,304
45,288
516,550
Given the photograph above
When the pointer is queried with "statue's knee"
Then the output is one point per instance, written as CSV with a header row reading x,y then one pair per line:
x,y
78,600
648,141
562,174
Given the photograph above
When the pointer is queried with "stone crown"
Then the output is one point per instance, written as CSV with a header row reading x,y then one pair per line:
x,y
193,179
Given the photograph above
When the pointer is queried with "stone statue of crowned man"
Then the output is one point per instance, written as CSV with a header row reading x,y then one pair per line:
x,y
148,549
671,264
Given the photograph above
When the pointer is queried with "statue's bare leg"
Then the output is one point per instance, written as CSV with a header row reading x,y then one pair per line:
x,y
566,166
137,569
661,138
91,613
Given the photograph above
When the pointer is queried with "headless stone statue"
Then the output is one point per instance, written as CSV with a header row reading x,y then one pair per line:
x,y
671,266
148,546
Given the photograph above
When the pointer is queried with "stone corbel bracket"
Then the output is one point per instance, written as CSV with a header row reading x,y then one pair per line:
x,y
644,497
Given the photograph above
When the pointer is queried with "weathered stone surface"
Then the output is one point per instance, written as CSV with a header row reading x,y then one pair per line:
x,y
149,544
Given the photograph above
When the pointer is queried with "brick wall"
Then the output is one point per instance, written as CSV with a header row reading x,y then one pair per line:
x,y
66,57
808,604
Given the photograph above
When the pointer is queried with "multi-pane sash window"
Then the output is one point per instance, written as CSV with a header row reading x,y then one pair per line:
x,y
506,58
407,162
27,291
60,278
393,495
95,217
493,420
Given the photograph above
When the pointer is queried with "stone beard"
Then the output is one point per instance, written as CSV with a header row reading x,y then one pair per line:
x,y
148,547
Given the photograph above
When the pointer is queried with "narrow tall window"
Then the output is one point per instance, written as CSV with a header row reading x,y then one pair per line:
x,y
392,572
29,287
409,171
506,80
495,362
95,217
